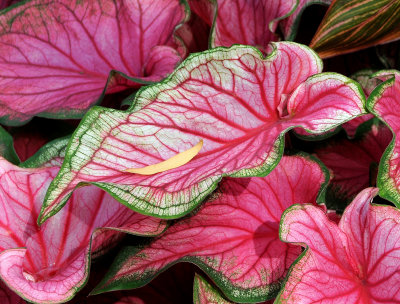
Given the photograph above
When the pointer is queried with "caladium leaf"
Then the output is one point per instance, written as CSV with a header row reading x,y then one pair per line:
x,y
251,22
244,257
352,25
384,102
238,102
290,24
27,144
356,261
205,293
55,262
354,163
56,58
6,147
196,33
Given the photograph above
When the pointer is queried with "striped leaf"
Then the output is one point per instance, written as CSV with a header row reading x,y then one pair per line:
x,y
351,25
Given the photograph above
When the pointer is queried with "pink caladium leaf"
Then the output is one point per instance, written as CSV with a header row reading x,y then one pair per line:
x,y
196,32
356,261
205,293
235,100
354,163
59,57
55,261
245,22
244,256
27,144
368,83
291,23
384,102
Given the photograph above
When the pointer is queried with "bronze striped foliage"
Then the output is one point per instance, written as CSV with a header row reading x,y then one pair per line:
x,y
351,25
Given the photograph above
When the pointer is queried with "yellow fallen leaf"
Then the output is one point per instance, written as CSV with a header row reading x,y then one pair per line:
x,y
174,162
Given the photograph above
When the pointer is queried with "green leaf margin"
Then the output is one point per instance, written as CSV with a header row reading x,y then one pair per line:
x,y
385,183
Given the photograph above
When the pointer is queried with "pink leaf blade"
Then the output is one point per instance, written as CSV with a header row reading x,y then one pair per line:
x,y
197,103
73,54
244,256
310,101
249,22
60,288
55,264
355,262
205,293
324,258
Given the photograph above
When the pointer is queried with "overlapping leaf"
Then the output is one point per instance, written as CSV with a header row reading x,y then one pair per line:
x,y
56,56
196,33
368,84
237,102
291,23
55,262
384,102
354,262
354,163
205,293
251,22
352,25
233,238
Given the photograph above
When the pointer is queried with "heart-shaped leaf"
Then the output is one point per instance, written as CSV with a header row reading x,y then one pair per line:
x,y
356,261
351,25
237,101
56,261
58,57
233,238
384,102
